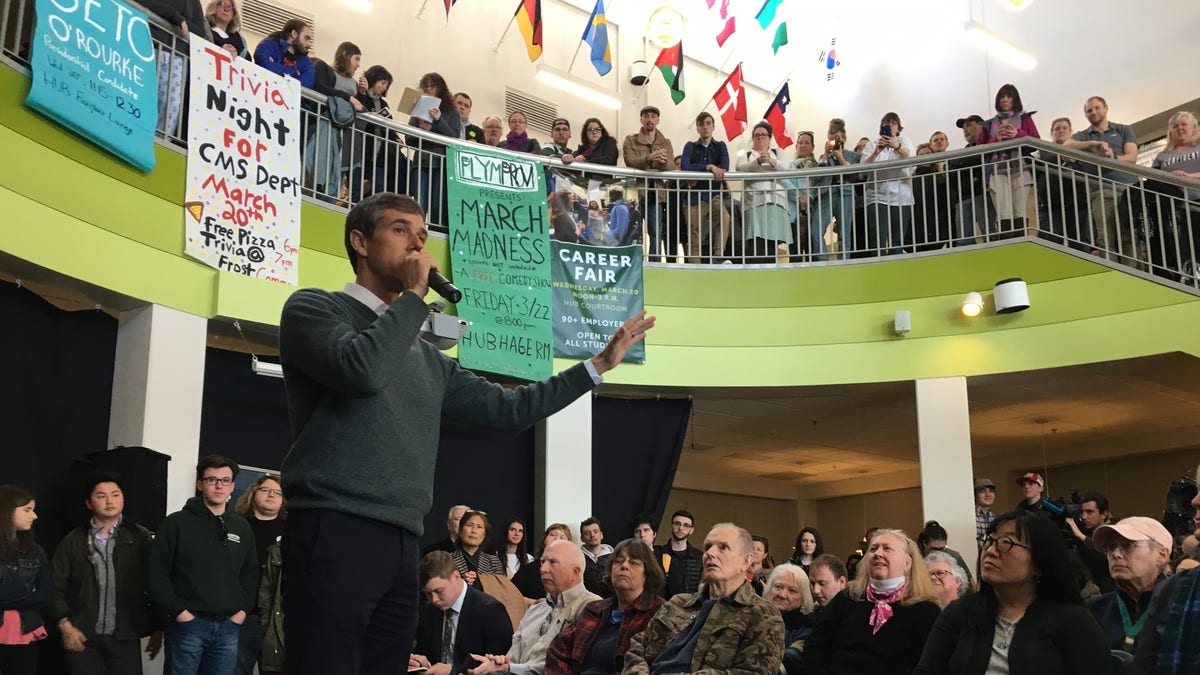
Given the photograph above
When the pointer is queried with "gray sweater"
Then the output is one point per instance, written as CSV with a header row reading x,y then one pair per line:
x,y
366,396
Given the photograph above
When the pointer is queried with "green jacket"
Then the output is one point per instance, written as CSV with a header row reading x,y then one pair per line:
x,y
742,636
202,563
77,595
270,612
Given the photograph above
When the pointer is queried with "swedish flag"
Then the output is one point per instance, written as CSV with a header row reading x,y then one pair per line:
x,y
596,36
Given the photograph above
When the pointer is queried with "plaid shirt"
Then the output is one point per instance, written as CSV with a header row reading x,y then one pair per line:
x,y
983,518
568,651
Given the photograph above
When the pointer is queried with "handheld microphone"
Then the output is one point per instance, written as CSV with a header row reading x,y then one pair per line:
x,y
443,287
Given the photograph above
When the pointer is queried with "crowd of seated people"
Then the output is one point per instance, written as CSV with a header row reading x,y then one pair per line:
x,y
636,607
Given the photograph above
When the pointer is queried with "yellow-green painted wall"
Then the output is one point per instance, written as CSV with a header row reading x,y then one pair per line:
x,y
72,208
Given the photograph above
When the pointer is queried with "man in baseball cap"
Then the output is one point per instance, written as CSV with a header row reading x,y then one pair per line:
x,y
1138,548
985,496
1032,487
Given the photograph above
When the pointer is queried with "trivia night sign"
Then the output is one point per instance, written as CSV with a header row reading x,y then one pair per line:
x,y
93,71
242,199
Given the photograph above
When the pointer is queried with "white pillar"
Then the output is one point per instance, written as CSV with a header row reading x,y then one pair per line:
x,y
563,467
158,391
944,434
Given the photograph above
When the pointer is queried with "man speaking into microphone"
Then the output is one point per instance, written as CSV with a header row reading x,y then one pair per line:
x,y
365,398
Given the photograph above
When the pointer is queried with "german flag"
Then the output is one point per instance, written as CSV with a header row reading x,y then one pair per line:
x,y
529,18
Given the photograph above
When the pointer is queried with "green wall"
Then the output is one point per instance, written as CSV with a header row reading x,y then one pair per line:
x,y
72,208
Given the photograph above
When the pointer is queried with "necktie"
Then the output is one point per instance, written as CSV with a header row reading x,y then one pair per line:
x,y
448,637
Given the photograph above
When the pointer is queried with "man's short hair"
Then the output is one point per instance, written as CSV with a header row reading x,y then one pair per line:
x,y
590,521
102,477
464,95
642,519
367,213
437,564
836,567
1098,98
615,194
744,537
215,462
703,116
1098,497
685,513
450,513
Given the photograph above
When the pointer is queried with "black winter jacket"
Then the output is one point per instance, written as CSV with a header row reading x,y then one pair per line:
x,y
77,595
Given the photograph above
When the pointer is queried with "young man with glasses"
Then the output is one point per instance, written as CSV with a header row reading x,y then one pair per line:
x,y
684,563
560,136
204,574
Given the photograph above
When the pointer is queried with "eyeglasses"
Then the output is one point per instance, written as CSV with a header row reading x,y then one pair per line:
x,y
1004,544
274,492
680,523
213,480
617,562
1125,547
760,135
938,574
225,5
593,129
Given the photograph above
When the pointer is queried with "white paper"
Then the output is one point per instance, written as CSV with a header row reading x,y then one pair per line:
x,y
423,106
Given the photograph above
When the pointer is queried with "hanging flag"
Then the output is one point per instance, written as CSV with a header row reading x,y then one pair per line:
x,y
767,13
730,27
670,64
529,19
780,38
596,36
449,4
777,117
710,3
724,8
731,102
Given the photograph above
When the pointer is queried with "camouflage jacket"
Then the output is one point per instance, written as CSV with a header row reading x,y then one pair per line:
x,y
743,635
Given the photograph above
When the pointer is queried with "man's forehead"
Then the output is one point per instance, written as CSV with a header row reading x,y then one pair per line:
x,y
723,535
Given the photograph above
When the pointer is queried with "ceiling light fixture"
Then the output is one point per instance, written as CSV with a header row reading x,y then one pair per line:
x,y
1015,5
1011,296
972,304
265,368
363,6
665,27
570,85
1000,47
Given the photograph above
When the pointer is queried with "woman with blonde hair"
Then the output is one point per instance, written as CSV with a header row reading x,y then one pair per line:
x,y
881,621
223,19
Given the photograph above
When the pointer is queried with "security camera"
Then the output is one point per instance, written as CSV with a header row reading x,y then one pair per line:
x,y
639,73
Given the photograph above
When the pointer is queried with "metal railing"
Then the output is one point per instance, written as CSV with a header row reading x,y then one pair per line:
x,y
1140,219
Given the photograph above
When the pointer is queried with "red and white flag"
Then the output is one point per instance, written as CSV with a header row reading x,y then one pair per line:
x,y
731,103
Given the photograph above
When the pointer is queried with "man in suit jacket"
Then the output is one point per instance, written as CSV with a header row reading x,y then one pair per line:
x,y
474,622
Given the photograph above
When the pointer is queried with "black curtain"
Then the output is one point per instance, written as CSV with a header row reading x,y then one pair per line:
x,y
635,451
486,470
244,416
58,370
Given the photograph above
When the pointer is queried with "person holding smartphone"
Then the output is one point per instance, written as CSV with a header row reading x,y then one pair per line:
x,y
889,195
831,198
1010,180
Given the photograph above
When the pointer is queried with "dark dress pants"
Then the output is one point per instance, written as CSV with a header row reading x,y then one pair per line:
x,y
350,595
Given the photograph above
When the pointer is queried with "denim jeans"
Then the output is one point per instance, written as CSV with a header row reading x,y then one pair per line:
x,y
206,645
827,203
249,645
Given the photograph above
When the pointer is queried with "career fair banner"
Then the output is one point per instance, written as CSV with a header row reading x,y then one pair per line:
x,y
94,73
595,290
242,202
500,255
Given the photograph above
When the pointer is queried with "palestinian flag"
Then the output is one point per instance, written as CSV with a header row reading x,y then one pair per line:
x,y
529,19
670,64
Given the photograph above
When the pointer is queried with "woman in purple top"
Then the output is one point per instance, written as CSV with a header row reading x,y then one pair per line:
x,y
1009,179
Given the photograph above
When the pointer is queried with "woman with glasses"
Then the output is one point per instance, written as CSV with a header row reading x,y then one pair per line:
x,y
26,584
426,175
949,578
469,556
595,145
518,138
597,640
764,201
879,624
223,19
262,506
1027,617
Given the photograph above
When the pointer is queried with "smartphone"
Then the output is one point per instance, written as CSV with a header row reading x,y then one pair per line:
x,y
885,130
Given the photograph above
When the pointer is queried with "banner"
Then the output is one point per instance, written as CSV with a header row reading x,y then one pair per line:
x,y
500,255
595,290
94,73
242,202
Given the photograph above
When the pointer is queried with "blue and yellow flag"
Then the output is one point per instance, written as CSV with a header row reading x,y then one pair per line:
x,y
596,36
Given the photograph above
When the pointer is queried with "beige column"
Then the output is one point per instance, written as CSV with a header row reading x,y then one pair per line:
x,y
563,468
944,435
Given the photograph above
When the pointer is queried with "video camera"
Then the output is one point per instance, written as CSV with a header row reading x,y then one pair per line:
x,y
1061,509
1178,513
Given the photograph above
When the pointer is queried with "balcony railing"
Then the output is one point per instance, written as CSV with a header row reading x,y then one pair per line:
x,y
1140,219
